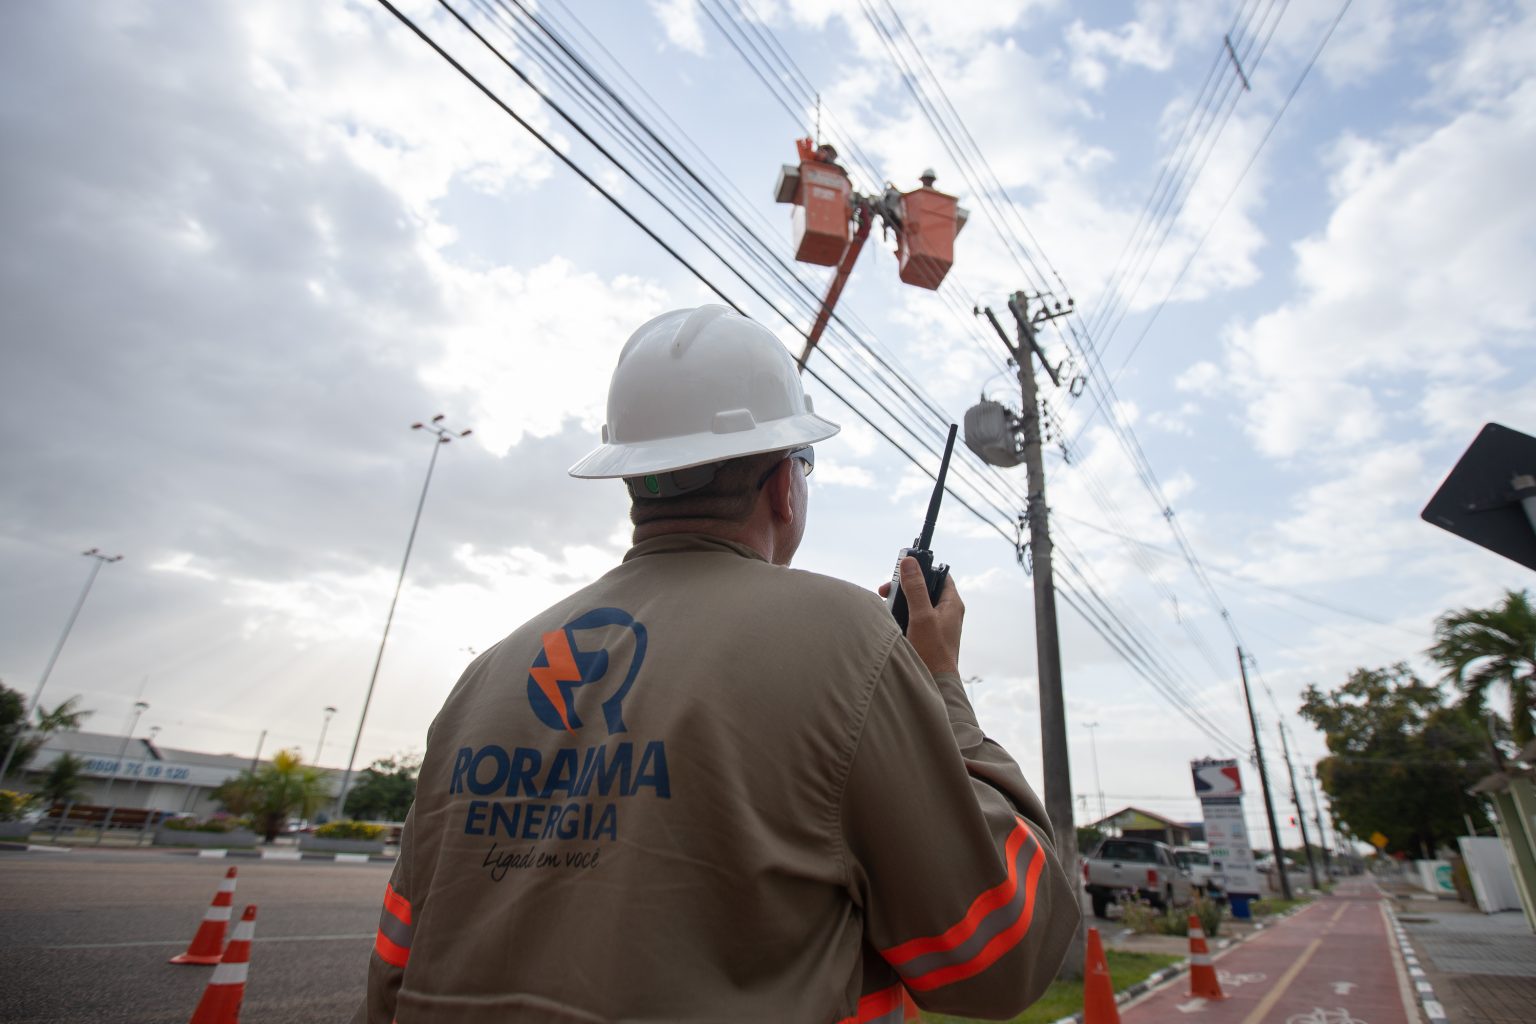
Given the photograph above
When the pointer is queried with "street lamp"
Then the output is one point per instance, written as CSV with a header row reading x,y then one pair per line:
x,y
1094,747
444,436
139,707
329,711
97,561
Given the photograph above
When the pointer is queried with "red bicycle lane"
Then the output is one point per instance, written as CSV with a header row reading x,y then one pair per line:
x,y
1332,963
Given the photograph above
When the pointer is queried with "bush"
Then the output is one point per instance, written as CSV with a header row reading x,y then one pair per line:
x,y
349,830
221,823
1140,916
14,806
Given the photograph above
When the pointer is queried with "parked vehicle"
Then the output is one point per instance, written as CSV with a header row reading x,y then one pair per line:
x,y
1205,879
1142,868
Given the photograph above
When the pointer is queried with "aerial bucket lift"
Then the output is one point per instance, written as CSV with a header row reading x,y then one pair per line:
x,y
831,222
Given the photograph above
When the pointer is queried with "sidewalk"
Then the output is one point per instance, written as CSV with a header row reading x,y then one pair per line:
x,y
1482,967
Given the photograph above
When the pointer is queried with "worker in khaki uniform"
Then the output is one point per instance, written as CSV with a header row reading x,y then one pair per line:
x,y
709,787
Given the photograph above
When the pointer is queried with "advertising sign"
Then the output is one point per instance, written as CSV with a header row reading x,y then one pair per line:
x,y
1219,785
1216,778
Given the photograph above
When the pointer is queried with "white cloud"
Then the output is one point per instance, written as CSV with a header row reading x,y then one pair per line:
x,y
839,474
680,20
1420,279
1201,378
516,333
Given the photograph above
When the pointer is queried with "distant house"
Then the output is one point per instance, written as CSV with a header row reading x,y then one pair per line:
x,y
1135,823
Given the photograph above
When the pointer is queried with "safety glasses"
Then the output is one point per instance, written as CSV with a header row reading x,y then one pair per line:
x,y
805,456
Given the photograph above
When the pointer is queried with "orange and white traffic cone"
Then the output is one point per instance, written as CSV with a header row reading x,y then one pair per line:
x,y
208,944
1203,983
1098,989
226,989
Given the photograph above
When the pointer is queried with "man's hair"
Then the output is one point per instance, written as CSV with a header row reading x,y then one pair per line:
x,y
729,497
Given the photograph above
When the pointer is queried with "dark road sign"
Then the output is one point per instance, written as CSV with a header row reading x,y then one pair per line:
x,y
1480,500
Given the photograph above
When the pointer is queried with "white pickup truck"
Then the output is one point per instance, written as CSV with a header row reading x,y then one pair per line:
x,y
1202,874
1138,867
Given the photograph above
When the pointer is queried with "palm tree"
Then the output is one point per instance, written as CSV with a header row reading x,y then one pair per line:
x,y
275,791
65,780
1478,647
67,717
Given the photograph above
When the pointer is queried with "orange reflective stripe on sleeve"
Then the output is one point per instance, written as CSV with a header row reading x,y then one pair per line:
x,y
393,941
397,904
994,923
887,1006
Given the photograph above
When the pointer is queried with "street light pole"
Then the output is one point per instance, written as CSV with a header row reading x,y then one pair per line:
x,y
97,561
1093,746
444,436
139,707
326,724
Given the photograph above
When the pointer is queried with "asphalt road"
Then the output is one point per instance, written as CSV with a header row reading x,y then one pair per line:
x,y
85,936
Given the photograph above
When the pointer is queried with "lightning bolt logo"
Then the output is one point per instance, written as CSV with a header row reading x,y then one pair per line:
x,y
561,666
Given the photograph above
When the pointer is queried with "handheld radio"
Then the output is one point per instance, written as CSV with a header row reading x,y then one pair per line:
x,y
933,575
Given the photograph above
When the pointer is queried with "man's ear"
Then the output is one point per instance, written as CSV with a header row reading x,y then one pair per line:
x,y
778,488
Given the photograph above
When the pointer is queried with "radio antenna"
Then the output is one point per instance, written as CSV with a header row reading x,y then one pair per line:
x,y
926,537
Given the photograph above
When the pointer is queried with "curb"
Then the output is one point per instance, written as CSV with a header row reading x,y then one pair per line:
x,y
1158,979
220,853
1433,1011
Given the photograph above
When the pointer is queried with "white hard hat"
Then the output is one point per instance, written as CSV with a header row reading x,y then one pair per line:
x,y
696,386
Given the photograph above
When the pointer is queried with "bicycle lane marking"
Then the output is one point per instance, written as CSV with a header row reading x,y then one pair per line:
x,y
1270,953
1354,978
1349,980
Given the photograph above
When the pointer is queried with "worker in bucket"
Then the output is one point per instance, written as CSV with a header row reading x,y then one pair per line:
x,y
709,787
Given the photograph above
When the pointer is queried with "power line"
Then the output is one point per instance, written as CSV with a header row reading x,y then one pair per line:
x,y
1103,620
1273,124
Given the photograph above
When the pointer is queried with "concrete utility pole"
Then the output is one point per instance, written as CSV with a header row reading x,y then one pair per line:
x,y
1053,717
99,560
1322,834
1269,802
1301,812
444,436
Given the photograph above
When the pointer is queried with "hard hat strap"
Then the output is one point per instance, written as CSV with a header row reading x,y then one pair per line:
x,y
673,484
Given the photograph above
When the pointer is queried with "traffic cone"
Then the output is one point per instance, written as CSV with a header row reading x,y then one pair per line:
x,y
1203,983
1098,990
221,999
208,944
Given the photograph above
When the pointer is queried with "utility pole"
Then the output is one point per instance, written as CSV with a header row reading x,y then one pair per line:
x,y
1053,718
99,560
1301,812
444,436
1322,835
1269,803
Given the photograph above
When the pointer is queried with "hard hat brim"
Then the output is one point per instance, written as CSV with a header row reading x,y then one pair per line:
x,y
663,455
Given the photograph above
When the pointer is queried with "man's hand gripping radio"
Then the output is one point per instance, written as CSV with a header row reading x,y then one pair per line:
x,y
933,575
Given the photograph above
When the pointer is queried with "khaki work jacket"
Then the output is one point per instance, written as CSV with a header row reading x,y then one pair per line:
x,y
707,788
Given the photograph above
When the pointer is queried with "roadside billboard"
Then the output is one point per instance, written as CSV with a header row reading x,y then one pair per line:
x,y
1219,785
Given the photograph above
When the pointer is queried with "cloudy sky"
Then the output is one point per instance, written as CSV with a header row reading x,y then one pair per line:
x,y
245,246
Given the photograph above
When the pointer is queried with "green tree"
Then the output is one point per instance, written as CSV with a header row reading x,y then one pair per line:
x,y
1087,838
1481,647
274,792
67,717
64,781
1401,757
385,789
